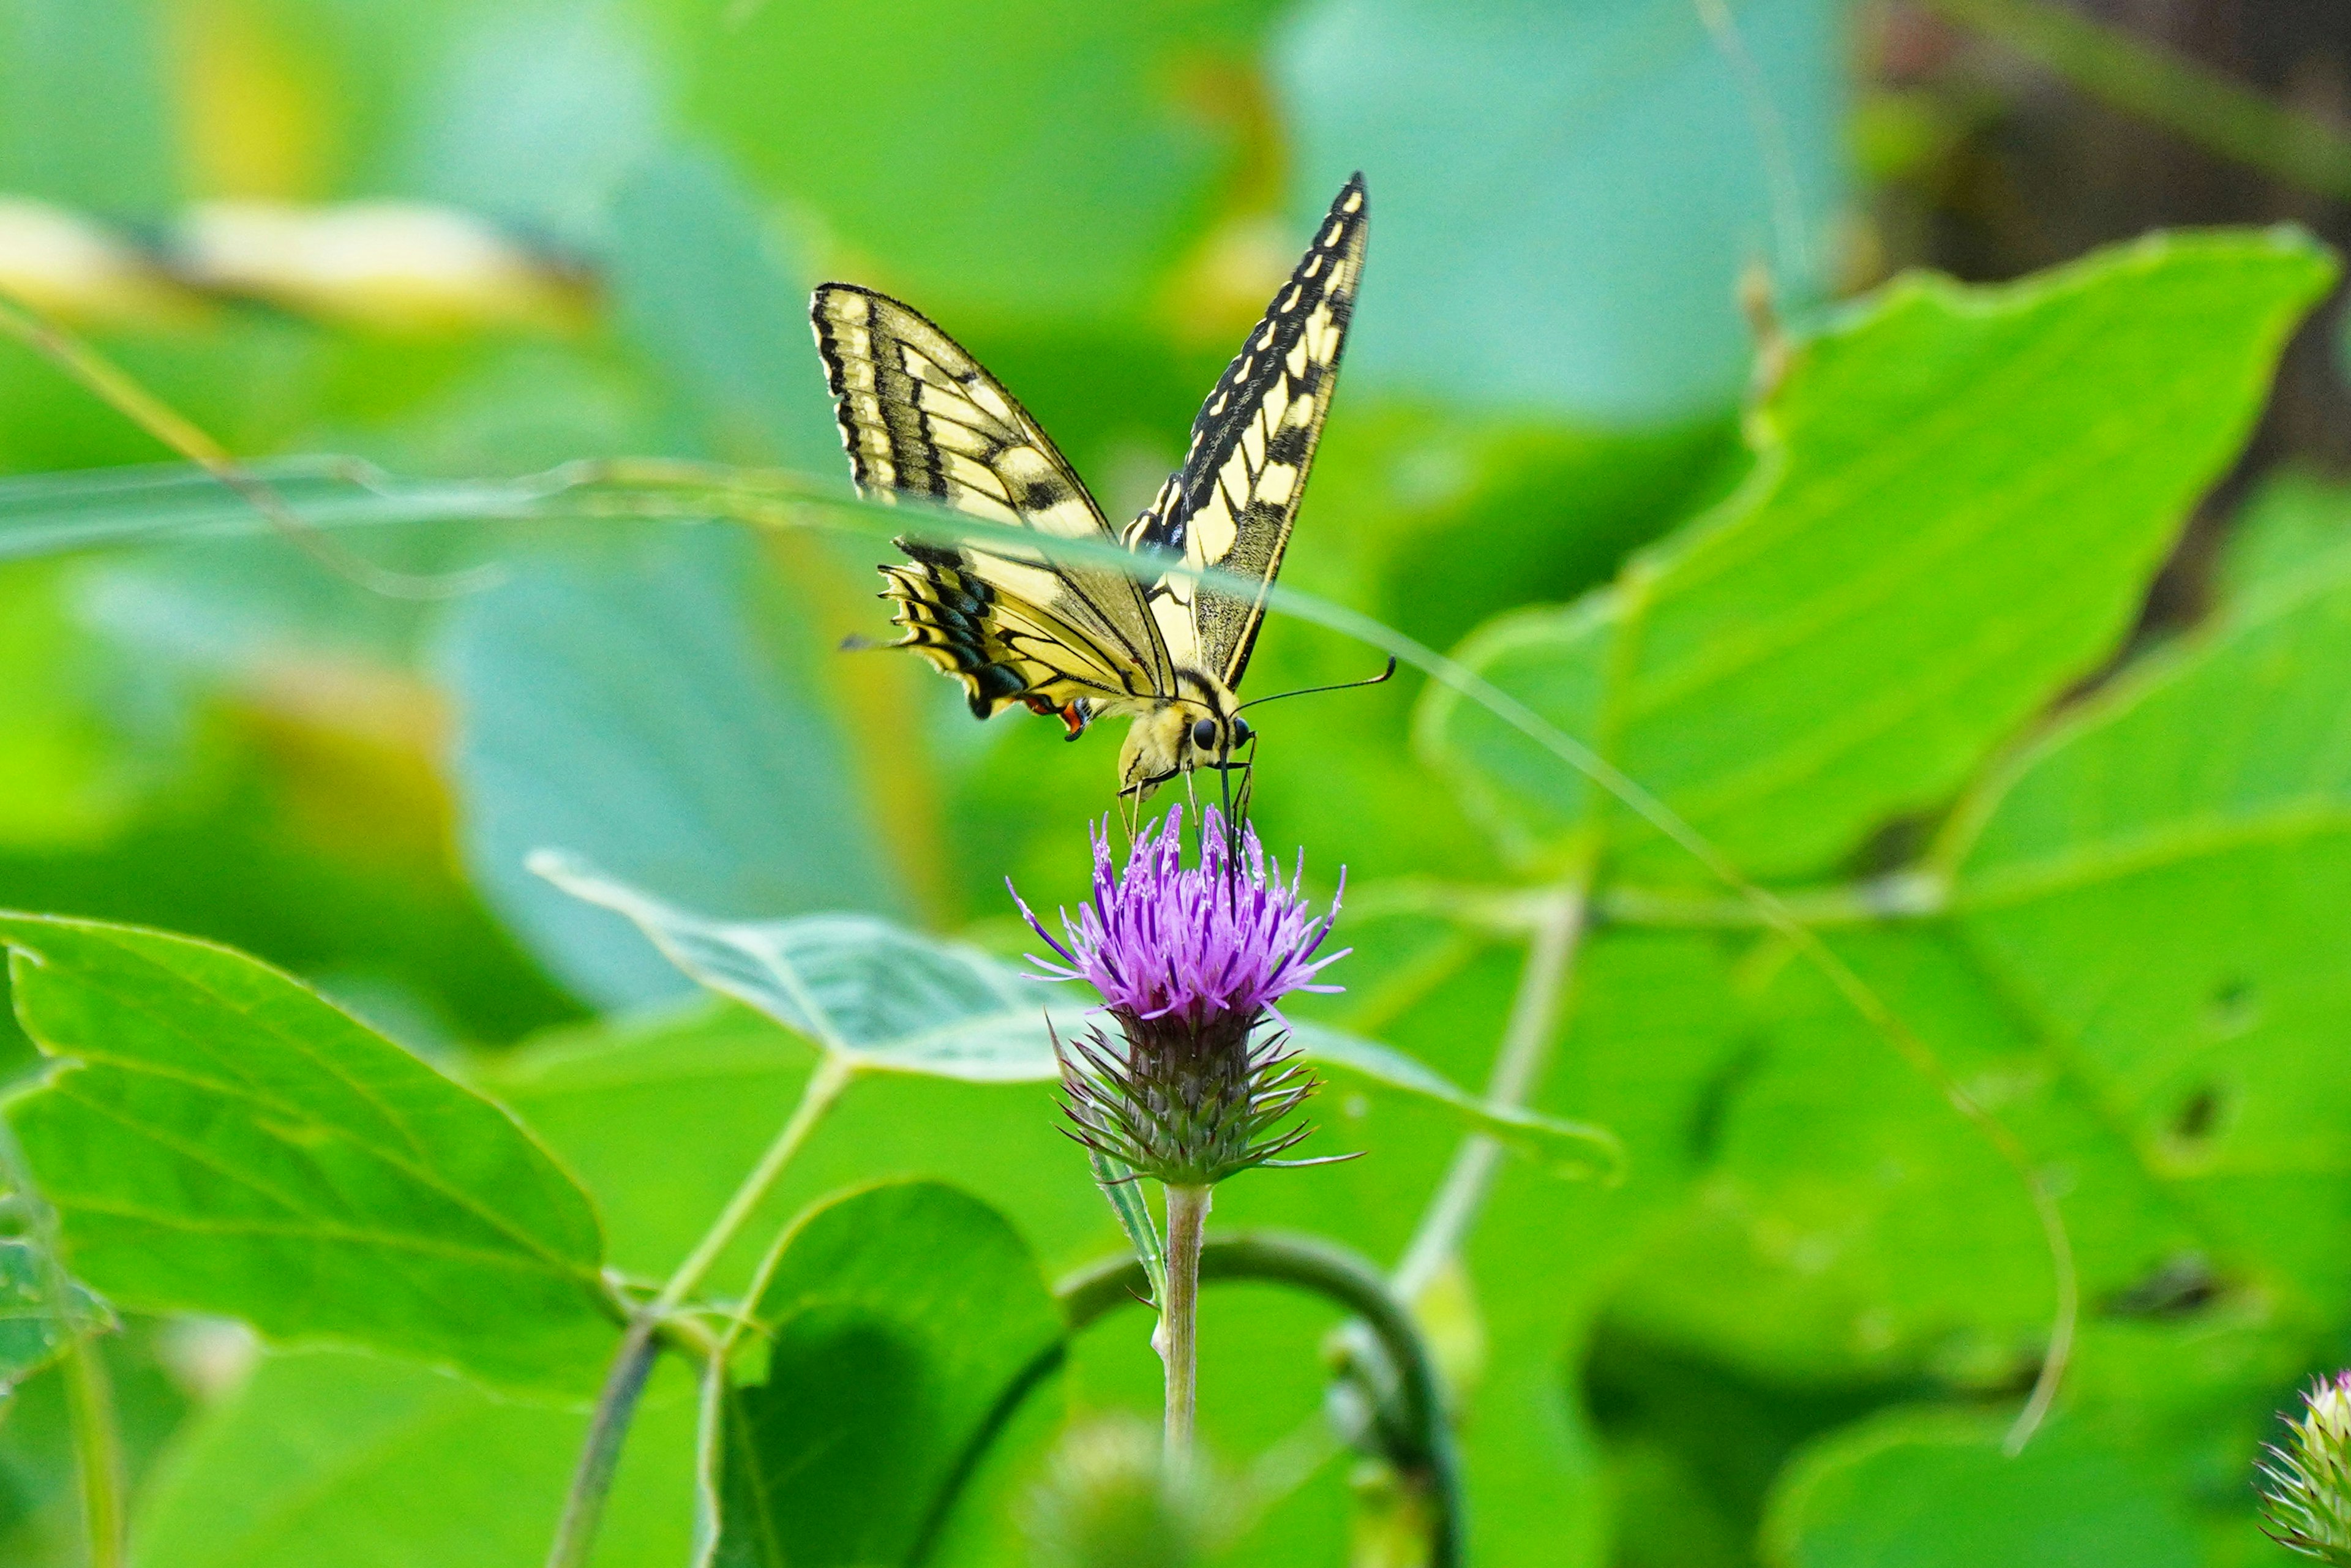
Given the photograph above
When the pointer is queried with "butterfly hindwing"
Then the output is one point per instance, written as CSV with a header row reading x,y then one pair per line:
x,y
920,417
1233,503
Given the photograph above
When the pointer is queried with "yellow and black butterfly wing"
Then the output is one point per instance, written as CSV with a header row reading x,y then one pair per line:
x,y
1233,503
920,417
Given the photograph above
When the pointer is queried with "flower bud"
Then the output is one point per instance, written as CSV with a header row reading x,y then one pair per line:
x,y
2306,1482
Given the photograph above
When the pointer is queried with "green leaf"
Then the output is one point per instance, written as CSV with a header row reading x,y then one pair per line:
x,y
2160,884
1850,1226
893,1000
219,1139
881,995
1959,496
626,707
1931,1490
902,1324
1567,196
334,1458
32,1328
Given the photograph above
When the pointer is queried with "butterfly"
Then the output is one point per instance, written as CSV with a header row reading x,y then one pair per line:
x,y
921,418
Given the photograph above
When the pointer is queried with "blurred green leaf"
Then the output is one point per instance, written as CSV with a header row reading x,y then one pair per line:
x,y
219,1139
713,295
2159,884
2289,527
33,1328
1960,498
73,767
84,117
1038,159
1931,1490
628,708
333,1457
530,115
902,1321
1565,198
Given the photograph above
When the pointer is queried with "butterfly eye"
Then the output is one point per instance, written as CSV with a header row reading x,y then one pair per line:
x,y
1204,734
1241,731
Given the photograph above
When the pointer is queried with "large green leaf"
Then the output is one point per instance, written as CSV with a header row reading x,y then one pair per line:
x,y
1567,196
901,1323
1849,1225
893,1000
217,1138
2160,884
1933,1489
1959,496
334,1458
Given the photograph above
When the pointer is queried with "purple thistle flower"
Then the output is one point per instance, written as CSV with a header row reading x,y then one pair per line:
x,y
1190,962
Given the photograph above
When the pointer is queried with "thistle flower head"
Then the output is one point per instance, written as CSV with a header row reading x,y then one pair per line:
x,y
2306,1482
1190,962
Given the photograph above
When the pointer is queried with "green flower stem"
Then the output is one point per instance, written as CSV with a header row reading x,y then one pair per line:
x,y
1179,1320
1354,1282
97,1450
1518,1068
607,1432
824,1086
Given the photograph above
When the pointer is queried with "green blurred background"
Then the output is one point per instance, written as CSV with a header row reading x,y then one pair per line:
x,y
483,239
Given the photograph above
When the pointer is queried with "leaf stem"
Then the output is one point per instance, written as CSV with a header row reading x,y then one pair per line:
x,y
651,1324
607,1432
97,1449
1179,1322
1517,1068
1354,1282
832,1076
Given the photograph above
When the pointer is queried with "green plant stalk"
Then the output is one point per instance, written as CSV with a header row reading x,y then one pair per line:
x,y
2156,84
832,1076
98,1451
1518,1067
1353,1281
607,1433
1179,1322
616,1404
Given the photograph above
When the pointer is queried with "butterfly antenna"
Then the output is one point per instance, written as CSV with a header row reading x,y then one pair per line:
x,y
1382,677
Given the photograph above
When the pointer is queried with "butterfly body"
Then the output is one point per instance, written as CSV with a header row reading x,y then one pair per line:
x,y
1161,644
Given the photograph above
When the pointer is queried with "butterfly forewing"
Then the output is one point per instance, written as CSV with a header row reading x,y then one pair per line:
x,y
920,417
1233,503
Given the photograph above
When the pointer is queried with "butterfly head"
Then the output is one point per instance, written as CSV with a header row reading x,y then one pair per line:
x,y
1202,728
